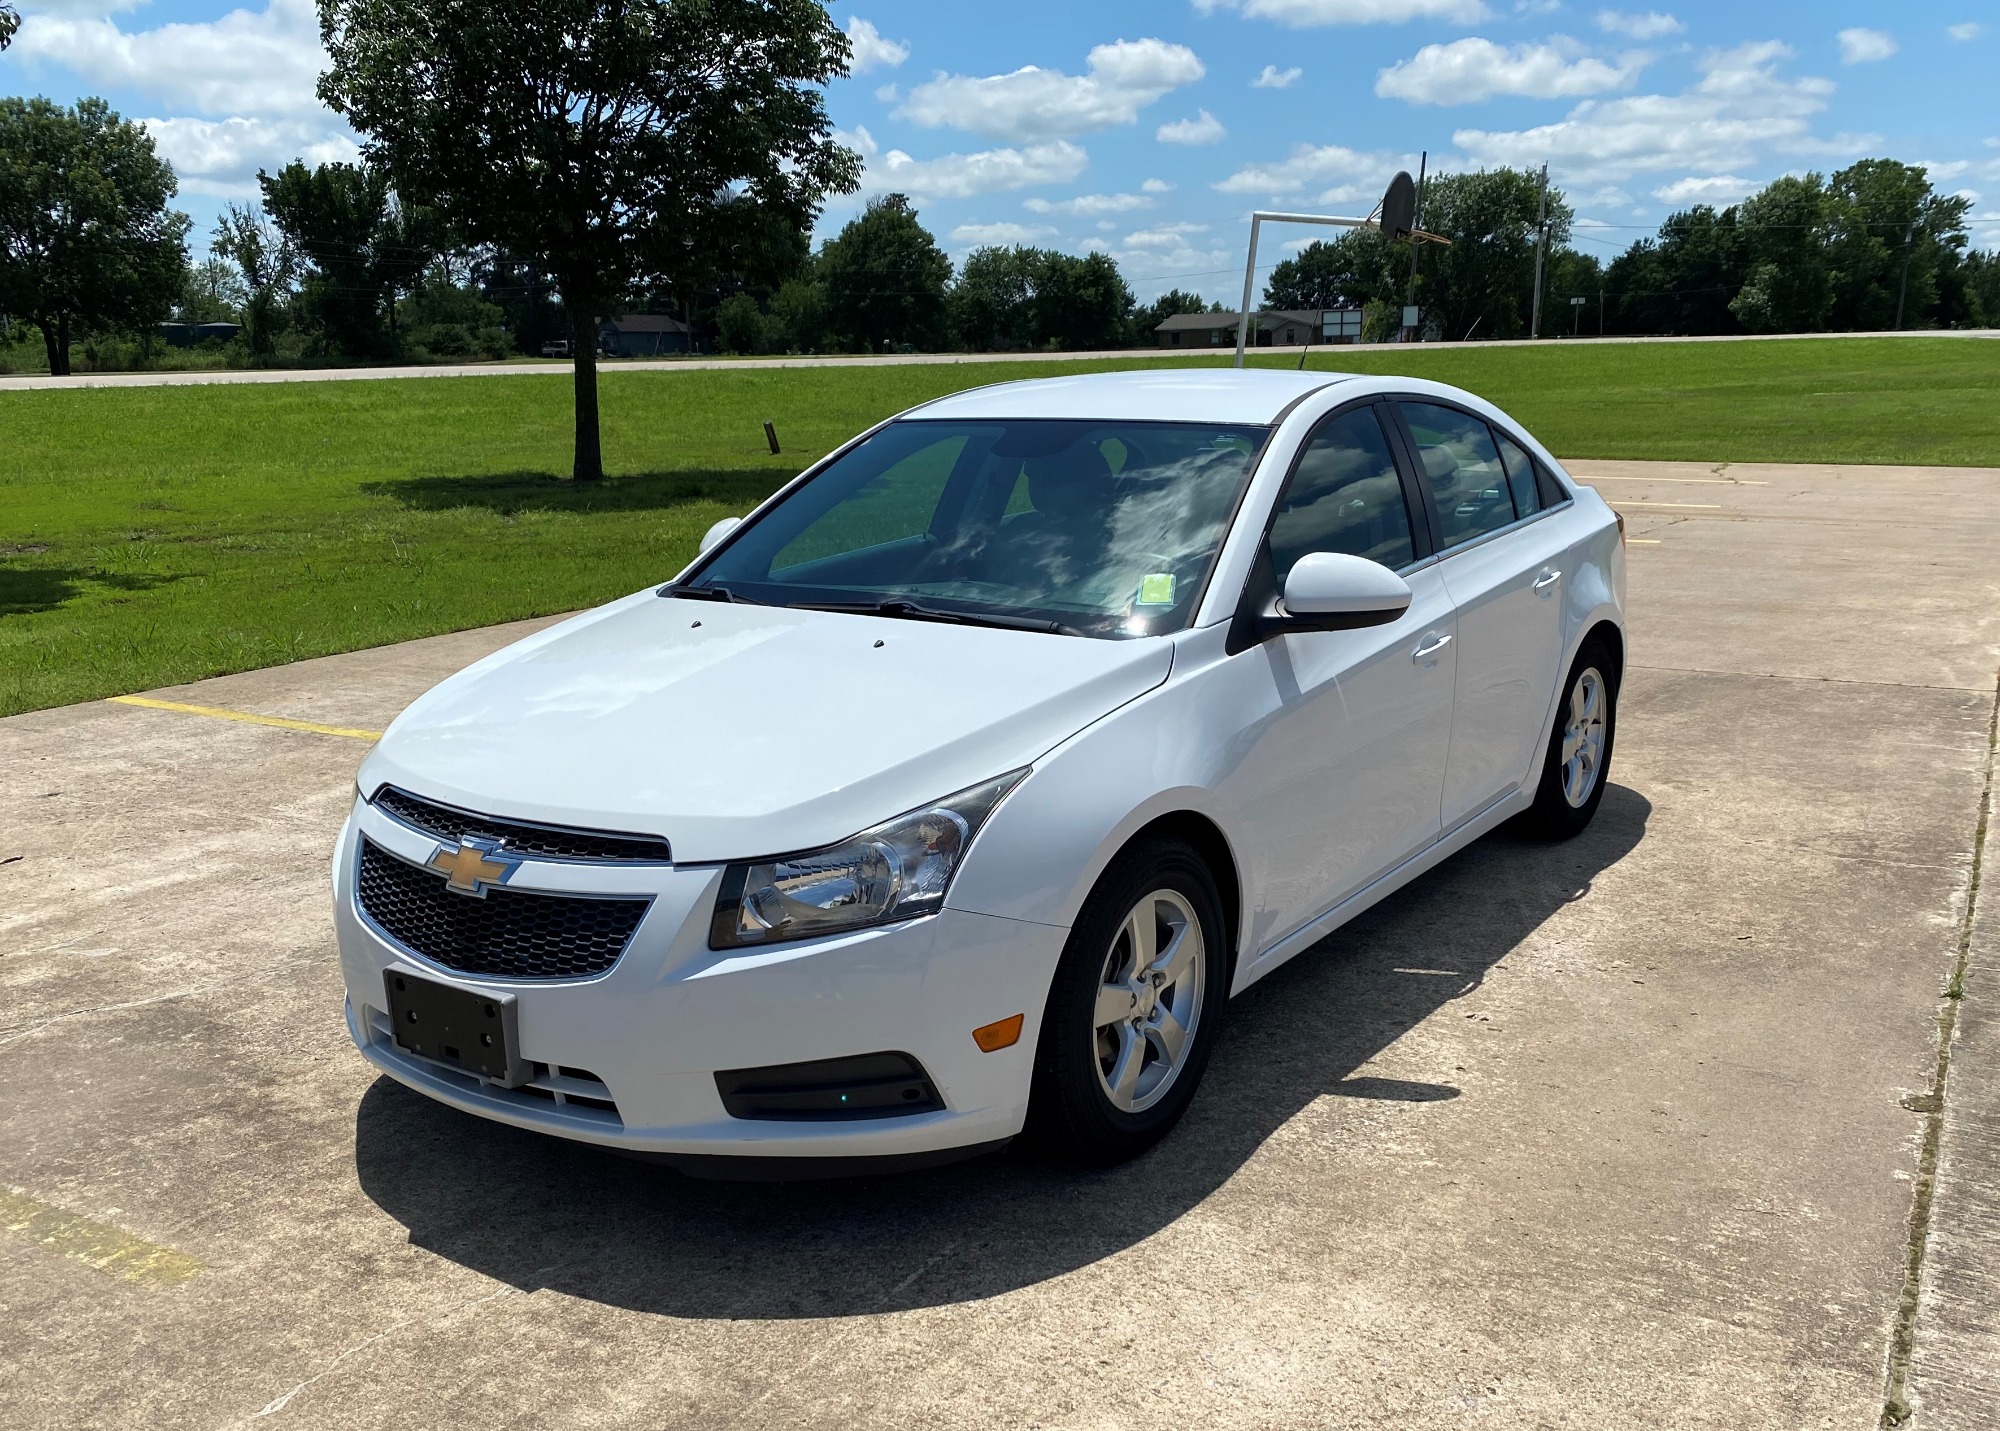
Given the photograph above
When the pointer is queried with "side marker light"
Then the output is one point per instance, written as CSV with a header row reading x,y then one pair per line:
x,y
994,1037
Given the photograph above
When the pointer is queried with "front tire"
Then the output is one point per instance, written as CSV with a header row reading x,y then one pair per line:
x,y
1134,1007
1578,761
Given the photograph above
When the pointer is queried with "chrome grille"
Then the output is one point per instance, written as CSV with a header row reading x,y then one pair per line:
x,y
548,842
507,934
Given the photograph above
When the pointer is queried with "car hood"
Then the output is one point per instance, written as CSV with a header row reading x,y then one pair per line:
x,y
736,730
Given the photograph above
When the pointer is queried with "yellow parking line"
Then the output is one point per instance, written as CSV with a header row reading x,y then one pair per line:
x,y
1642,541
220,714
1626,502
1691,481
95,1244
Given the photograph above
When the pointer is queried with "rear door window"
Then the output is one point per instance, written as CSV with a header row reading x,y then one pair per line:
x,y
1520,474
1461,471
1344,496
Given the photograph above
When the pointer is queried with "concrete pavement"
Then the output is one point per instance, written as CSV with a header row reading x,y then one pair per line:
x,y
1625,1132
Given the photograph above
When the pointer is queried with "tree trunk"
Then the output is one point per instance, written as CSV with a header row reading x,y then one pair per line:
x,y
583,349
55,338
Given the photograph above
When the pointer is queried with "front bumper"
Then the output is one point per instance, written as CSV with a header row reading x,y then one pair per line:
x,y
671,1012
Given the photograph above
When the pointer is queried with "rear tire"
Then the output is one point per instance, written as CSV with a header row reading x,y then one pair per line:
x,y
1134,1007
1577,762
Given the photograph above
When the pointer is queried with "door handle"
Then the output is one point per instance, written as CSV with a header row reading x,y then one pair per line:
x,y
1549,577
1430,648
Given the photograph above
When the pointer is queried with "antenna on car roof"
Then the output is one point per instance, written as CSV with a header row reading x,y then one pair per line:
x,y
1395,217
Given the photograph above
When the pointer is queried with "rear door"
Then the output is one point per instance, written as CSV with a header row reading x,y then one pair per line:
x,y
1503,568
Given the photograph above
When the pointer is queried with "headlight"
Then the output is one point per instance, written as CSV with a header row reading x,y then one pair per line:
x,y
898,870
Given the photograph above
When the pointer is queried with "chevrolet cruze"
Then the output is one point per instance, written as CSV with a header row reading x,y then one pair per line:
x,y
953,791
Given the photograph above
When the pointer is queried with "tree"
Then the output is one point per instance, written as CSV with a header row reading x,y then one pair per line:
x,y
86,237
1484,283
1357,267
885,279
360,246
739,324
245,237
1173,301
993,301
1789,287
798,312
606,140
1892,242
1081,301
10,22
211,293
1683,281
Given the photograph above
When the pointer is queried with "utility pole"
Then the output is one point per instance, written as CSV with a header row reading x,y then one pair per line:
x,y
1410,300
1903,290
1541,243
1600,311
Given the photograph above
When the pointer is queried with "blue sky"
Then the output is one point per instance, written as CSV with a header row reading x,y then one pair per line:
x,y
1151,128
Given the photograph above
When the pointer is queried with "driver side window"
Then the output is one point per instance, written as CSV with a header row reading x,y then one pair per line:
x,y
1344,496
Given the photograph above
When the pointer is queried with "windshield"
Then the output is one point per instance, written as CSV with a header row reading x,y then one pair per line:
x,y
1092,528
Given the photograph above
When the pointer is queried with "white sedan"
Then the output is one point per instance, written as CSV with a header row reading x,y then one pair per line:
x,y
952,792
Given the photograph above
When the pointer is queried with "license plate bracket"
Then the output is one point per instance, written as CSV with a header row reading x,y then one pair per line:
x,y
476,1030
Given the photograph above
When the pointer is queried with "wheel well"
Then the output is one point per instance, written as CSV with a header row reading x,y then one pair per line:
x,y
1614,640
1213,846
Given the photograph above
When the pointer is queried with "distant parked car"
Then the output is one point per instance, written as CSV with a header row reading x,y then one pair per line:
x,y
956,788
556,348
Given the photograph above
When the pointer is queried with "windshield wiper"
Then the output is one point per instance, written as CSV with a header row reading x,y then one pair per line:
x,y
914,611
706,593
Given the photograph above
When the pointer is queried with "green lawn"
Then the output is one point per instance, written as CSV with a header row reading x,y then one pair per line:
x,y
156,535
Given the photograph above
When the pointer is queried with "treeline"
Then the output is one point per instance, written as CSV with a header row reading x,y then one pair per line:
x,y
1874,247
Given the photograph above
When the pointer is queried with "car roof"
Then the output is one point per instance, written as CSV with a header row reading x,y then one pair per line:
x,y
1231,395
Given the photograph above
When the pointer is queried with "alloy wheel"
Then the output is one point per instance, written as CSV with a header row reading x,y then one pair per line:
x,y
1583,738
1149,1000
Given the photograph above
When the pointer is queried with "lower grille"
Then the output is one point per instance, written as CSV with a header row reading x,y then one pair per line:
x,y
508,934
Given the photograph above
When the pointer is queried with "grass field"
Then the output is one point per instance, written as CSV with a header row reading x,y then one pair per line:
x,y
156,535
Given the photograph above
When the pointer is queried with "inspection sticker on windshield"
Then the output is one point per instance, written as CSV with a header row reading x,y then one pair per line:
x,y
1156,588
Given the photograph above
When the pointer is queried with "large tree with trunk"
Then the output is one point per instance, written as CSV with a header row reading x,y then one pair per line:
x,y
86,237
614,143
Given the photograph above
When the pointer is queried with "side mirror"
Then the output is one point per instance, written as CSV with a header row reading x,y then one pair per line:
x,y
1331,591
717,532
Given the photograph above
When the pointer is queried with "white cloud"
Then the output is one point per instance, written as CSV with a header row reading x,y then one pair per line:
x,y
871,51
76,7
1714,189
1970,30
1469,70
1861,47
1034,103
1739,109
1205,128
1609,197
1161,186
1275,78
1303,14
1651,25
980,235
963,176
1090,205
1164,236
248,62
888,93
1311,166
220,158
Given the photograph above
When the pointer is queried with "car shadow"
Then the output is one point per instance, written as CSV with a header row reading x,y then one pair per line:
x,y
535,1211
509,494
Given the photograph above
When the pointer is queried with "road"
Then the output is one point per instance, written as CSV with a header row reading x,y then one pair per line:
x,y
1624,1132
34,381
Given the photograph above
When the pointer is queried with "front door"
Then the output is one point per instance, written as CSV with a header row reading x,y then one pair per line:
x,y
1504,574
1340,776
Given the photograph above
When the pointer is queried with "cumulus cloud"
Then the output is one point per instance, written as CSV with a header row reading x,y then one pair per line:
x,y
871,51
1861,47
219,158
1739,109
1275,78
1469,70
1168,256
1651,25
1303,14
1712,189
963,176
1332,171
248,62
1970,30
1034,103
1204,128
1161,186
1090,205
982,235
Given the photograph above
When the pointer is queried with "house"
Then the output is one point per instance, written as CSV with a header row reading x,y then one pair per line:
x,y
1284,328
643,335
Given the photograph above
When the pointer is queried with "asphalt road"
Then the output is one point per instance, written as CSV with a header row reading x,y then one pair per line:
x,y
1626,1132
28,381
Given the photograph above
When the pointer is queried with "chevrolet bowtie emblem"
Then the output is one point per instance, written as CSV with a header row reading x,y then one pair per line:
x,y
472,869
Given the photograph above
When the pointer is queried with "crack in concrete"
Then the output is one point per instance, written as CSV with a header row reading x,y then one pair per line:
x,y
1803,680
1896,1408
